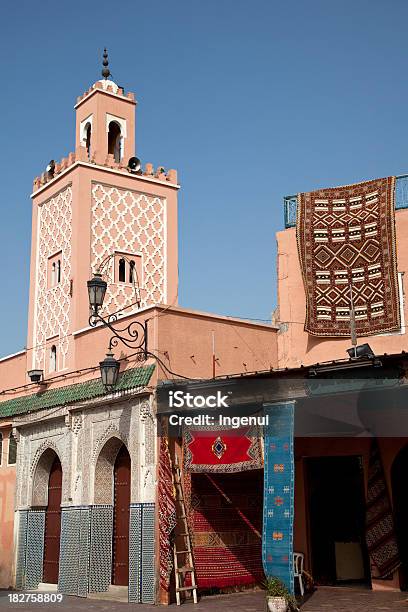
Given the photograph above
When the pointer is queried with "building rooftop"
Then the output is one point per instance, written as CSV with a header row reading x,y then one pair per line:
x,y
62,396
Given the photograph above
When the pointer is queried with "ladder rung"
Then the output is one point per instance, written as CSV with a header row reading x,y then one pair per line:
x,y
183,516
181,552
189,588
182,534
185,569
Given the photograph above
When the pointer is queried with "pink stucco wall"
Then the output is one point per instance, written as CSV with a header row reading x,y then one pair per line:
x,y
13,371
296,347
182,338
7,493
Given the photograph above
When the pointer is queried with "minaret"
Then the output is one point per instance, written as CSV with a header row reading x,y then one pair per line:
x,y
94,209
105,121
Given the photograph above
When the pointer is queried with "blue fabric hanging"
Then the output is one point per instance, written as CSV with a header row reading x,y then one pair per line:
x,y
279,486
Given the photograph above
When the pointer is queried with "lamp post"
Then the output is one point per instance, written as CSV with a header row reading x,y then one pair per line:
x,y
133,335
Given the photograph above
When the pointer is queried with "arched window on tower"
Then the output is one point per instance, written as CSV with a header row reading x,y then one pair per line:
x,y
114,138
12,450
53,359
1,448
88,132
53,274
59,271
132,272
122,271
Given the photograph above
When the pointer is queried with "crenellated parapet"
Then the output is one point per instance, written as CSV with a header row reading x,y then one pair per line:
x,y
109,87
107,161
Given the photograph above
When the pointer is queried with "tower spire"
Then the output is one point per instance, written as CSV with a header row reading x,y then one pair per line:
x,y
105,62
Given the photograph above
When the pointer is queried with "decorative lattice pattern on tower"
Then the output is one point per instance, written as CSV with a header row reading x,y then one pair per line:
x,y
346,237
52,307
130,222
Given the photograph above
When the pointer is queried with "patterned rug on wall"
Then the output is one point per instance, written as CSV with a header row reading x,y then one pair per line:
x,y
346,236
225,512
211,449
380,533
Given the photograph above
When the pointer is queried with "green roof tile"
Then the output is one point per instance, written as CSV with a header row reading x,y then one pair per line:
x,y
51,398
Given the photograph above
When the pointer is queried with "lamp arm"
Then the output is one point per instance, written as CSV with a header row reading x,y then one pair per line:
x,y
133,335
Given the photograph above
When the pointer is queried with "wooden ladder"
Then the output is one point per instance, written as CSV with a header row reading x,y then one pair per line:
x,y
183,558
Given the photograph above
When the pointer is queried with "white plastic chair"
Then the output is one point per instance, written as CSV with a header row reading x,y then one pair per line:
x,y
298,562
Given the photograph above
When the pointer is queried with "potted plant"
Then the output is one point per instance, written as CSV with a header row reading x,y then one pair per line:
x,y
278,598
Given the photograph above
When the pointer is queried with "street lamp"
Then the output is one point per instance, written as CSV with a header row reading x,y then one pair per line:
x,y
96,292
133,335
109,371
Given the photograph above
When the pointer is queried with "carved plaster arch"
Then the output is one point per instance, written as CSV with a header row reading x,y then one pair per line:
x,y
41,474
40,451
103,490
111,431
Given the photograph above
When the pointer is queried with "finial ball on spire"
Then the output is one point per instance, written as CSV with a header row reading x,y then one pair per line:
x,y
105,62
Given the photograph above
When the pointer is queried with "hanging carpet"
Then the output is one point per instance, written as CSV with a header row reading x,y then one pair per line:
x,y
346,236
167,513
225,515
380,534
279,493
210,449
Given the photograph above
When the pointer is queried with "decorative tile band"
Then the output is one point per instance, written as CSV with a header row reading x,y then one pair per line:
x,y
74,551
22,549
35,548
141,553
100,560
148,543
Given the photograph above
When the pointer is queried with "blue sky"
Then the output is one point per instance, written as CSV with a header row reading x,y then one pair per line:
x,y
250,101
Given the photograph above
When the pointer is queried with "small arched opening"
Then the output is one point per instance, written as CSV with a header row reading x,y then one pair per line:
x,y
88,133
122,271
12,450
1,448
53,359
114,141
132,272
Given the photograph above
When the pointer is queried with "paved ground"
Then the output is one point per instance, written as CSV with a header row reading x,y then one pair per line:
x,y
341,599
323,600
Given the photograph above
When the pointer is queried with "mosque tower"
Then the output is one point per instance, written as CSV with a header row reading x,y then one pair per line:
x,y
98,209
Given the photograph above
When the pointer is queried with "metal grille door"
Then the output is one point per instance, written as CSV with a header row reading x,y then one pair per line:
x,y
53,525
120,562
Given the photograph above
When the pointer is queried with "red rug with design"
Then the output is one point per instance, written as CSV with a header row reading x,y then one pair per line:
x,y
226,519
210,449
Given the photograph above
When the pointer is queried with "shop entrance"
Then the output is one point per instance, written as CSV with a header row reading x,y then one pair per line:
x,y
336,503
400,503
120,549
52,533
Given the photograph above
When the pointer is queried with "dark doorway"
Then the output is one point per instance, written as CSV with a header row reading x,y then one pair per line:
x,y
337,520
400,503
120,560
53,525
